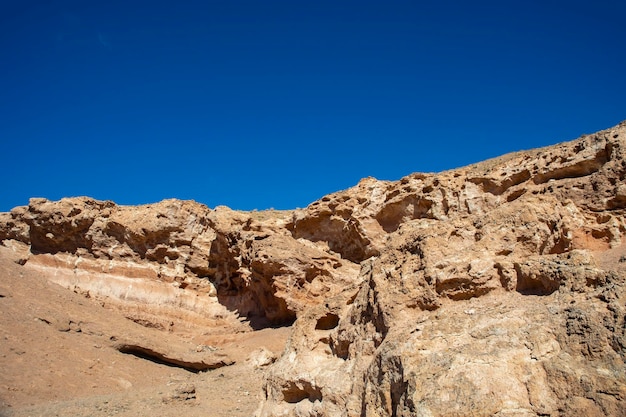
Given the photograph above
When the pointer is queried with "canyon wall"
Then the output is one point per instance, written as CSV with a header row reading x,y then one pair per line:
x,y
496,289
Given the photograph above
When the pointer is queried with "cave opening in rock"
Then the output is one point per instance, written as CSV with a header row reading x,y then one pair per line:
x,y
303,390
327,322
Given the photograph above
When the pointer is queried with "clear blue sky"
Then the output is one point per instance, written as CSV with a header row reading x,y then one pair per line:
x,y
263,103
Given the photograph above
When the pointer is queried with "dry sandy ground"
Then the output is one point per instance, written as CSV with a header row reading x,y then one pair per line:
x,y
57,358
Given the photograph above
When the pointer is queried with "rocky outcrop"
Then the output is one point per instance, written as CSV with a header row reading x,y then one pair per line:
x,y
483,291
497,289
177,262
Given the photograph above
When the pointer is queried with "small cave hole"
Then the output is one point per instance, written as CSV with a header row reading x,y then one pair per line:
x,y
327,322
300,391
529,286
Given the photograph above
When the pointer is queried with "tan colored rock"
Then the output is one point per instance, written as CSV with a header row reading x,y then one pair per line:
x,y
188,264
261,357
490,290
489,294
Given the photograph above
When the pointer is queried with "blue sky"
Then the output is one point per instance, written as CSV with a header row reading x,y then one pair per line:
x,y
259,104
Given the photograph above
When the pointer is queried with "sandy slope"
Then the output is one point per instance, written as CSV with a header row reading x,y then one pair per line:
x,y
58,358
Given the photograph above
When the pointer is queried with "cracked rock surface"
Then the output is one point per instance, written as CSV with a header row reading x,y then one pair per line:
x,y
497,289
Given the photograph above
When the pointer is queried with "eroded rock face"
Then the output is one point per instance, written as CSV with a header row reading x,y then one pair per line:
x,y
497,289
493,289
177,262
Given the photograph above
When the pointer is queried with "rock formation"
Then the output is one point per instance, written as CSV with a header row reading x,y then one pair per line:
x,y
496,289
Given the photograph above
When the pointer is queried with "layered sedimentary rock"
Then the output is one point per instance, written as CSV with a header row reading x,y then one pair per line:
x,y
177,263
494,289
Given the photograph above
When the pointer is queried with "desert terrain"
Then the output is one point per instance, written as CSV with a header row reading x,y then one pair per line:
x,y
496,289
59,357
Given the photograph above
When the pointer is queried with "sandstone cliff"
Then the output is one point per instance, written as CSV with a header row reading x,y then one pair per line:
x,y
497,289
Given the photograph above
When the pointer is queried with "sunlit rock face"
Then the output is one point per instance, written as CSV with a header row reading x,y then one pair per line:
x,y
497,289
491,290
178,260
